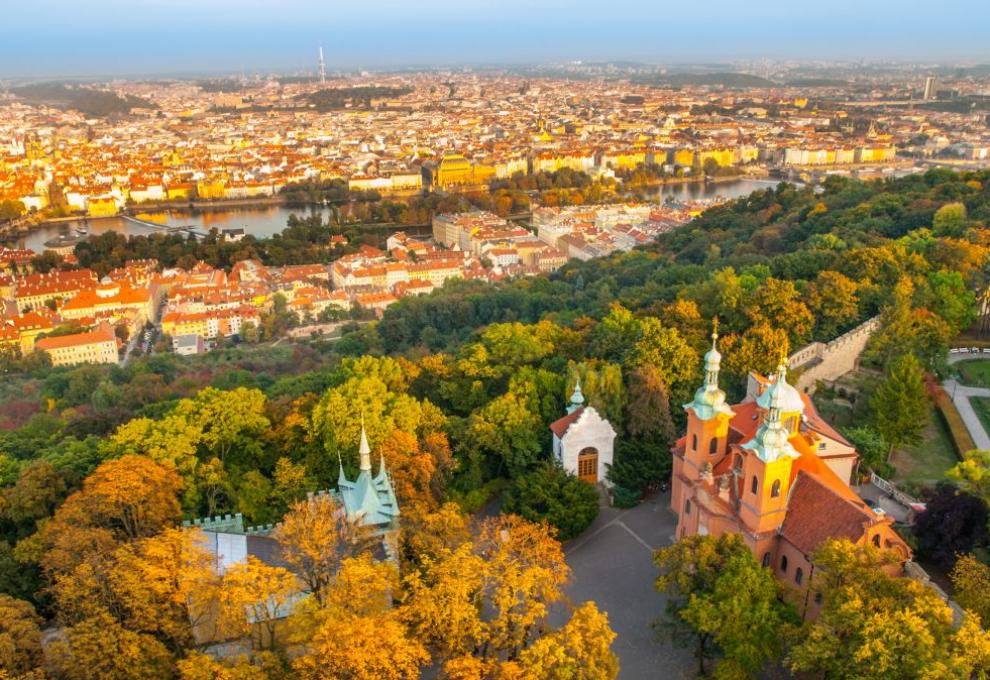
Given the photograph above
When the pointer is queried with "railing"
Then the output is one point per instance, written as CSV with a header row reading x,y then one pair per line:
x,y
891,490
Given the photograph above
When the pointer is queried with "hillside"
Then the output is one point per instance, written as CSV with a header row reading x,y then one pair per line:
x,y
89,102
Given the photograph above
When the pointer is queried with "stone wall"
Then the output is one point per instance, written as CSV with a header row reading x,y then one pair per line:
x,y
828,361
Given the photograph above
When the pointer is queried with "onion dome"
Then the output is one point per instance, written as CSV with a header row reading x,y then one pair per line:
x,y
709,400
788,398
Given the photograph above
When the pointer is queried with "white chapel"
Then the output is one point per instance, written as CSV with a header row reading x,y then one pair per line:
x,y
583,440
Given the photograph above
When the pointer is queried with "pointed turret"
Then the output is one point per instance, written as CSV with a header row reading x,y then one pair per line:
x,y
577,398
364,450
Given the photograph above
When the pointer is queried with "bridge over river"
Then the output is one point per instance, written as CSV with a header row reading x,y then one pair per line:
x,y
171,229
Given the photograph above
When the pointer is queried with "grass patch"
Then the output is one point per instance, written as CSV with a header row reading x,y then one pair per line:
x,y
975,373
982,407
927,462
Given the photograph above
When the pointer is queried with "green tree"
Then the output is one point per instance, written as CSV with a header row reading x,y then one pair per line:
x,y
665,350
874,626
552,494
9,209
950,220
507,433
720,598
642,455
899,405
871,447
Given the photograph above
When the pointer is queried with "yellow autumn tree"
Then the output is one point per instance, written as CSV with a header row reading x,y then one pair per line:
x,y
199,666
123,500
525,573
375,647
315,536
167,584
443,602
20,636
99,647
411,468
429,534
581,649
253,597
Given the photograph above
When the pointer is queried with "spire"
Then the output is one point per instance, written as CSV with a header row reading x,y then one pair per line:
x,y
382,472
713,360
577,398
709,399
341,478
364,449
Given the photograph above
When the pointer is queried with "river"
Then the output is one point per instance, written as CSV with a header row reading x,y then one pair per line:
x,y
270,219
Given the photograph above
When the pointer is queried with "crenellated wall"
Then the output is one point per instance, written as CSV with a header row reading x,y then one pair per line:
x,y
828,361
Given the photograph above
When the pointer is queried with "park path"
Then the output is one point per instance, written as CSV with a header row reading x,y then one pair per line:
x,y
961,394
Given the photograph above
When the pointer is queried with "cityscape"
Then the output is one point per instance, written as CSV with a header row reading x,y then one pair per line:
x,y
418,341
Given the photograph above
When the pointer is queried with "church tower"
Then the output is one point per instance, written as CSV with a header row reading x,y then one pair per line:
x,y
767,458
708,417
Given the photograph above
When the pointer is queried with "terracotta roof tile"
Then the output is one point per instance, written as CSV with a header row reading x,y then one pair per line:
x,y
561,425
815,514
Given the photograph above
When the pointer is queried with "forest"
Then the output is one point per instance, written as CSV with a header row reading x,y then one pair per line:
x,y
99,465
86,100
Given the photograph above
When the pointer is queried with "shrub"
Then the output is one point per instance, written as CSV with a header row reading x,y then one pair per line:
x,y
549,493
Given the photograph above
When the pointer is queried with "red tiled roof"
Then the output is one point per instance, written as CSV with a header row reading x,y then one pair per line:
x,y
816,514
561,425
75,340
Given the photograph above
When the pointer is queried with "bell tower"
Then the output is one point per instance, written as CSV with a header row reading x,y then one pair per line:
x,y
767,462
708,418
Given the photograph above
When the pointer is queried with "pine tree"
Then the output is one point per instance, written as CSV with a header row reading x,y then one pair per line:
x,y
900,404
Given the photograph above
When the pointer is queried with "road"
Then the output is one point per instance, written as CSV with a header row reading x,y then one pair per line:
x,y
961,394
612,564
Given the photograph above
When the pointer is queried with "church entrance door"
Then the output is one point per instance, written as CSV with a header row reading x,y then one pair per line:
x,y
588,464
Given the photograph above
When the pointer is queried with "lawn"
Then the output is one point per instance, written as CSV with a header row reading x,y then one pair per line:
x,y
982,407
975,373
926,463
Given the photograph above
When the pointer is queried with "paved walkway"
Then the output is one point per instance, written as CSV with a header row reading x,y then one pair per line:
x,y
612,564
961,394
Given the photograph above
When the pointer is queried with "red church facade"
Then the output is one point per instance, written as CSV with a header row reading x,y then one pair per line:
x,y
772,470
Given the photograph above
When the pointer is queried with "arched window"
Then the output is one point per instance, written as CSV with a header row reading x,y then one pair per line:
x,y
818,598
798,576
687,507
876,540
694,442
766,559
713,446
775,489
752,487
783,564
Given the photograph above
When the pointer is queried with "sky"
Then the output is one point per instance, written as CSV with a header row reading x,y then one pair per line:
x,y
144,37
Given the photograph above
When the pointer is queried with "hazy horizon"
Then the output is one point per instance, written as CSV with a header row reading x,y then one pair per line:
x,y
56,38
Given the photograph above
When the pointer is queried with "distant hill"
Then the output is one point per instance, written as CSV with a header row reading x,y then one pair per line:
x,y
89,102
723,79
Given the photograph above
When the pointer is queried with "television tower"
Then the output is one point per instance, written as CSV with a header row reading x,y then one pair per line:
x,y
323,68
